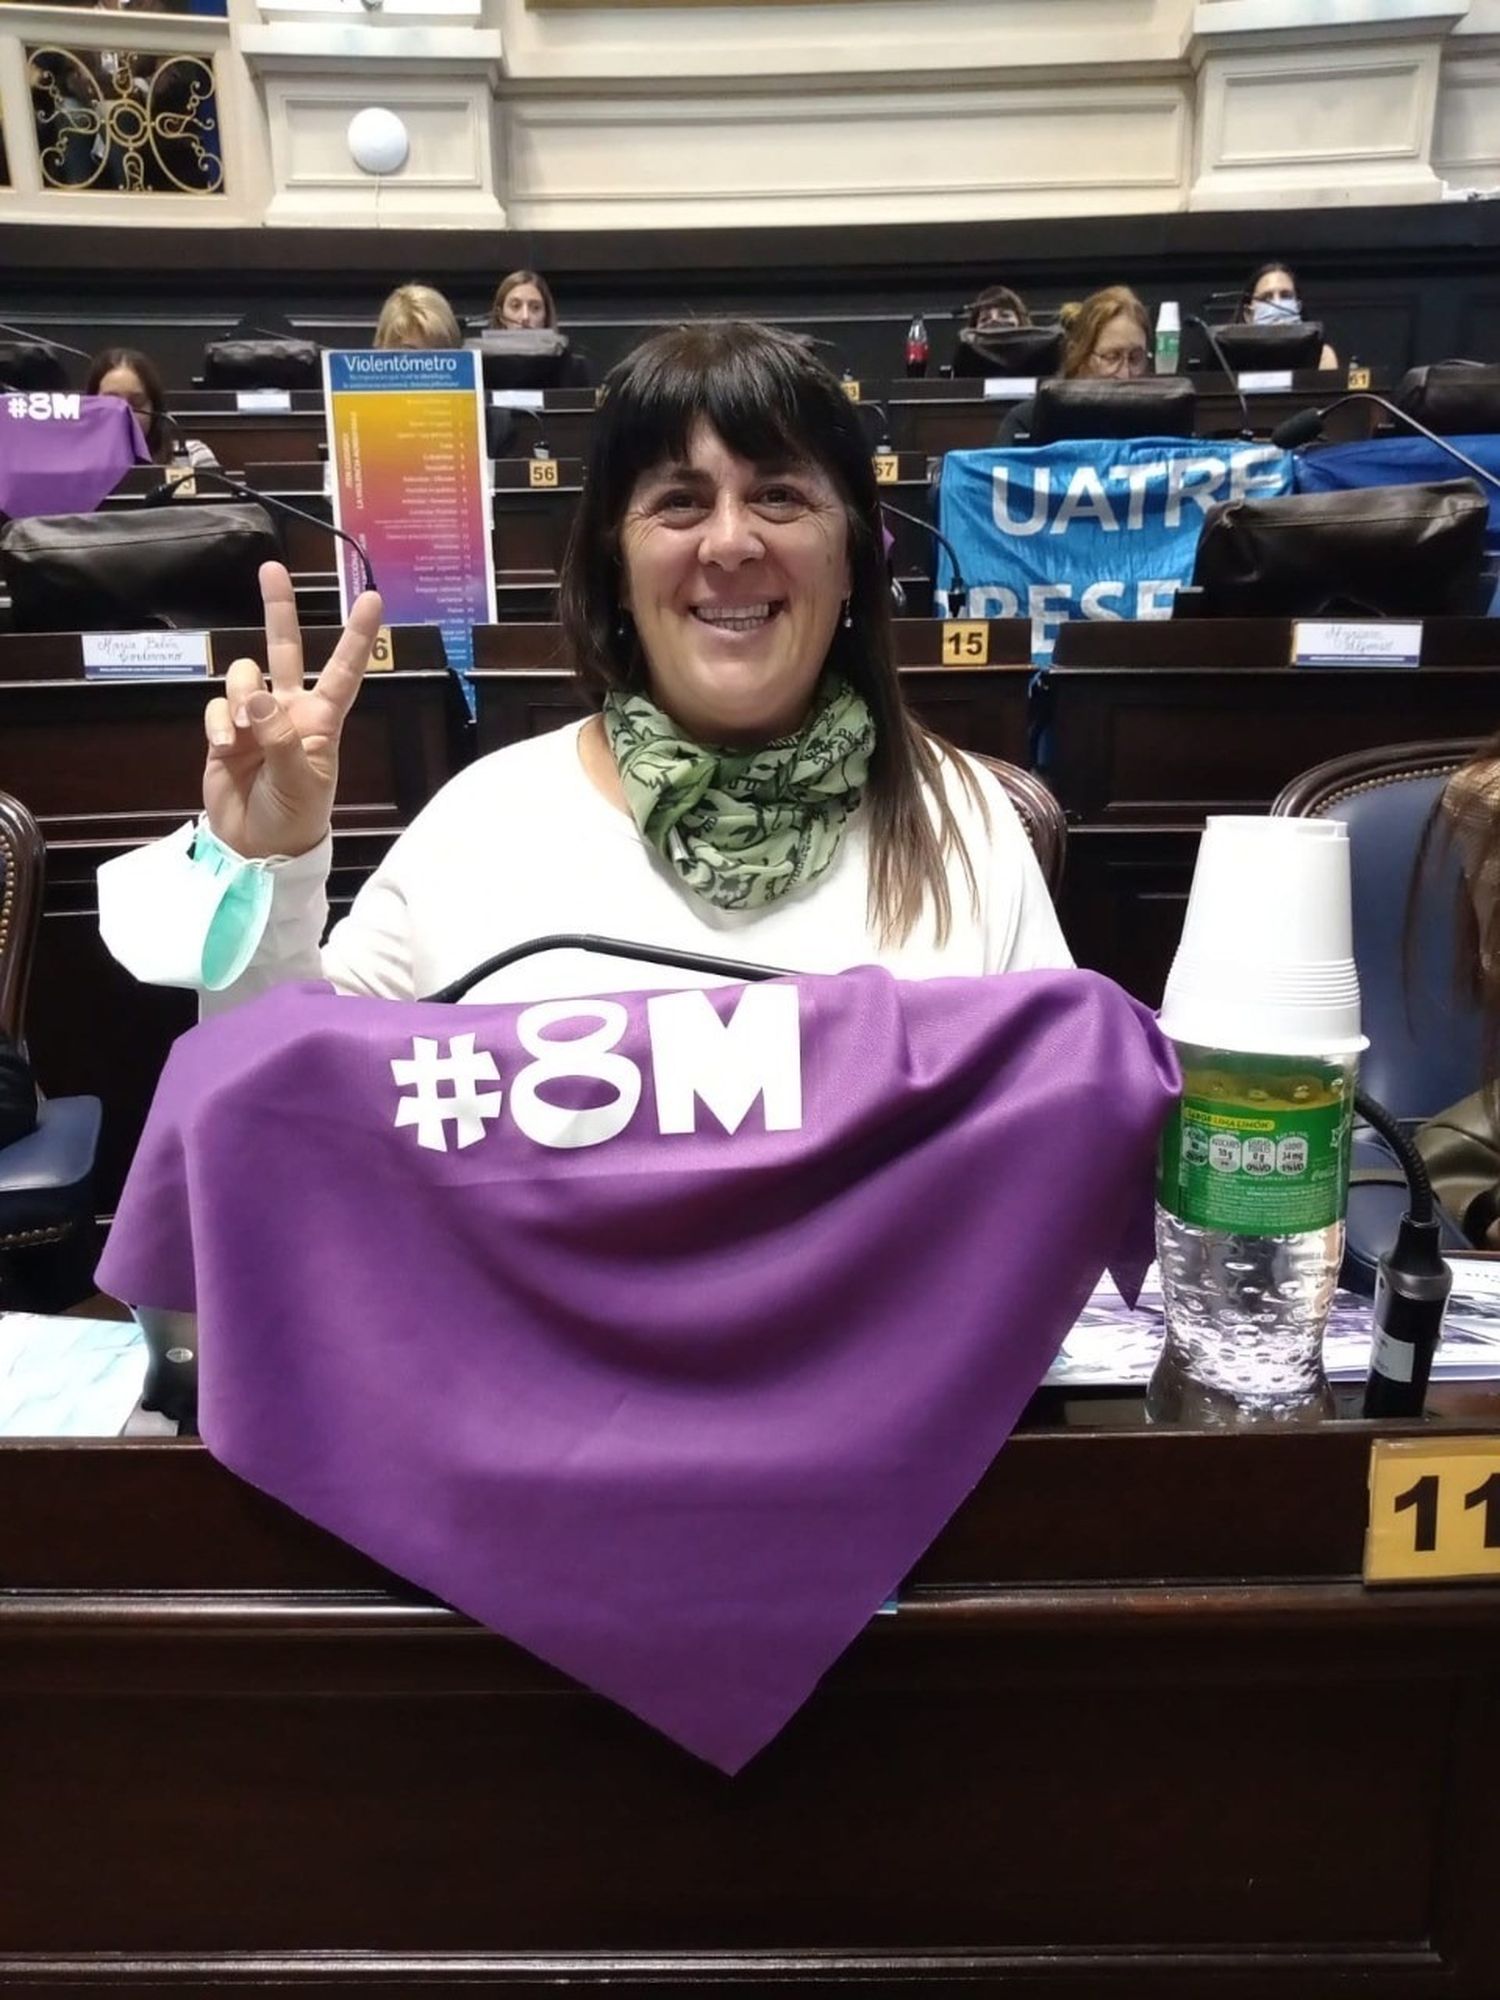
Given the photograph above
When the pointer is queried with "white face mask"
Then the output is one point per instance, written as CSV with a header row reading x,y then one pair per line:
x,y
1272,312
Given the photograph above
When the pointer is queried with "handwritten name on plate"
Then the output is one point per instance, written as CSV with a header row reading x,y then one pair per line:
x,y
1372,642
129,656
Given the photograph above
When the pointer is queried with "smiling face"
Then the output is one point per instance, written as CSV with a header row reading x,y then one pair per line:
x,y
734,574
523,305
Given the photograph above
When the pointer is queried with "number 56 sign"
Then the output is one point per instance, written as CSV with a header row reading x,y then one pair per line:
x,y
1434,1510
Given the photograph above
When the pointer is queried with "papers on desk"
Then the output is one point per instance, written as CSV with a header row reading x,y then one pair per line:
x,y
1115,1347
68,1377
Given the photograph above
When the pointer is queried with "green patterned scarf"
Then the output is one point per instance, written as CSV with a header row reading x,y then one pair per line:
x,y
744,827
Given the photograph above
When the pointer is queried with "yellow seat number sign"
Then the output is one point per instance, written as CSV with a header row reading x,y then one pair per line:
x,y
966,642
887,468
1434,1510
383,652
544,472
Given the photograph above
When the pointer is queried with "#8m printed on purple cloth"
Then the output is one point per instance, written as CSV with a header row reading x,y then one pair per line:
x,y
660,1333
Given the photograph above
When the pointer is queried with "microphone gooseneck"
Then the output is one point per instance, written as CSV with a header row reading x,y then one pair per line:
x,y
1194,319
41,340
1308,424
958,592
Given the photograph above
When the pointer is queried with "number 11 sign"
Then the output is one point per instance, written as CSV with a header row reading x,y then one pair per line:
x,y
1434,1510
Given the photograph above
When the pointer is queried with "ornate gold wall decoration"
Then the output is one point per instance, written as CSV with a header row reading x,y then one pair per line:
x,y
128,120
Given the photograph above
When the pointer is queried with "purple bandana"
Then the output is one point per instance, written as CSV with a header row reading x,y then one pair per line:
x,y
62,454
661,1334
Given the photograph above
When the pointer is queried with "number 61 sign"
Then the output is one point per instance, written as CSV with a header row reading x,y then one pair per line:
x,y
1434,1510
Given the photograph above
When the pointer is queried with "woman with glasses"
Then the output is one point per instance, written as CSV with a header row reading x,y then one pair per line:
x,y
1109,336
1274,298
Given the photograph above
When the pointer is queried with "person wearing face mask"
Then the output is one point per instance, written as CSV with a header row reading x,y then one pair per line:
x,y
748,783
1273,298
1108,337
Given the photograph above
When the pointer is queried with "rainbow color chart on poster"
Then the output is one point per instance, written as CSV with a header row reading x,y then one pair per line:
x,y
411,484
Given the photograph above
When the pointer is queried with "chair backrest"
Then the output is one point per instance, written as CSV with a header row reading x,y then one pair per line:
x,y
1039,813
1088,407
22,869
1425,1036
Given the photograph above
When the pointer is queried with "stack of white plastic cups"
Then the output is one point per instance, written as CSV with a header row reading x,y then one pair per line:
x,y
1263,1005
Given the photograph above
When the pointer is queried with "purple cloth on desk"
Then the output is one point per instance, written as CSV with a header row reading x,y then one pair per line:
x,y
676,1409
63,454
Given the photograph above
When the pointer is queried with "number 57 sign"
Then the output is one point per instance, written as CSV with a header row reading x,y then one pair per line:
x,y
1434,1510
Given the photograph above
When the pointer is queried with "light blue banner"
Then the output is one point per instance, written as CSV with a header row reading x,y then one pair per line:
x,y
1100,528
1402,461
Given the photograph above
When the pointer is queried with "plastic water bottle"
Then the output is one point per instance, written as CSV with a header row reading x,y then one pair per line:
x,y
1262,1003
1168,337
1251,1194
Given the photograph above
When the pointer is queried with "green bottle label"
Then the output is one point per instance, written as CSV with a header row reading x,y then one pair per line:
x,y
1259,1145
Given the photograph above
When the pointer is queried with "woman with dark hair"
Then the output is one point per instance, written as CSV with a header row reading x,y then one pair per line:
x,y
127,373
1274,298
749,781
523,302
997,309
523,299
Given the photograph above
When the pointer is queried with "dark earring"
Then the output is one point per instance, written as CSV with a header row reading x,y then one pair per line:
x,y
848,615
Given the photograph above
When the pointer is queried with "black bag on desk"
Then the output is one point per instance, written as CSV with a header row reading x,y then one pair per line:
x,y
262,363
1376,552
186,566
1453,398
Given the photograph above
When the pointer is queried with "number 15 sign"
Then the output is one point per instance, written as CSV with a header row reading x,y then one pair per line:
x,y
1434,1510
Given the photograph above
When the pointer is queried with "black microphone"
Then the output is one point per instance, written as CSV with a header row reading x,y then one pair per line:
x,y
958,593
167,491
41,340
1234,381
1307,424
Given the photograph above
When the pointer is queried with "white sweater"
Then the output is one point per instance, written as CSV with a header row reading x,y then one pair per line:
x,y
521,844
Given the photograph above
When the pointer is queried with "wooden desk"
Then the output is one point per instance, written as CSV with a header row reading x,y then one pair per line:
x,y
1137,1729
1155,725
524,685
239,438
935,415
107,765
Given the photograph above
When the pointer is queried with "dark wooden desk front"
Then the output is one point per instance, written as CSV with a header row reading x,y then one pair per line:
x,y
1153,726
1136,1729
106,765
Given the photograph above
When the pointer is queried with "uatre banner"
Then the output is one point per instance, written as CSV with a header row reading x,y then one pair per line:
x,y
1093,528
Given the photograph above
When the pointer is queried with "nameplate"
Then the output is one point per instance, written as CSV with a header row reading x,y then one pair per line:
x,y
263,402
1341,642
518,399
145,656
1434,1510
1009,388
1253,379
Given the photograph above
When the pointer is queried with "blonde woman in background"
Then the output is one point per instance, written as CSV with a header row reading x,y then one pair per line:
x,y
417,316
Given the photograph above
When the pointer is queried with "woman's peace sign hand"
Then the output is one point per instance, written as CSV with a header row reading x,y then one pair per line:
x,y
273,753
